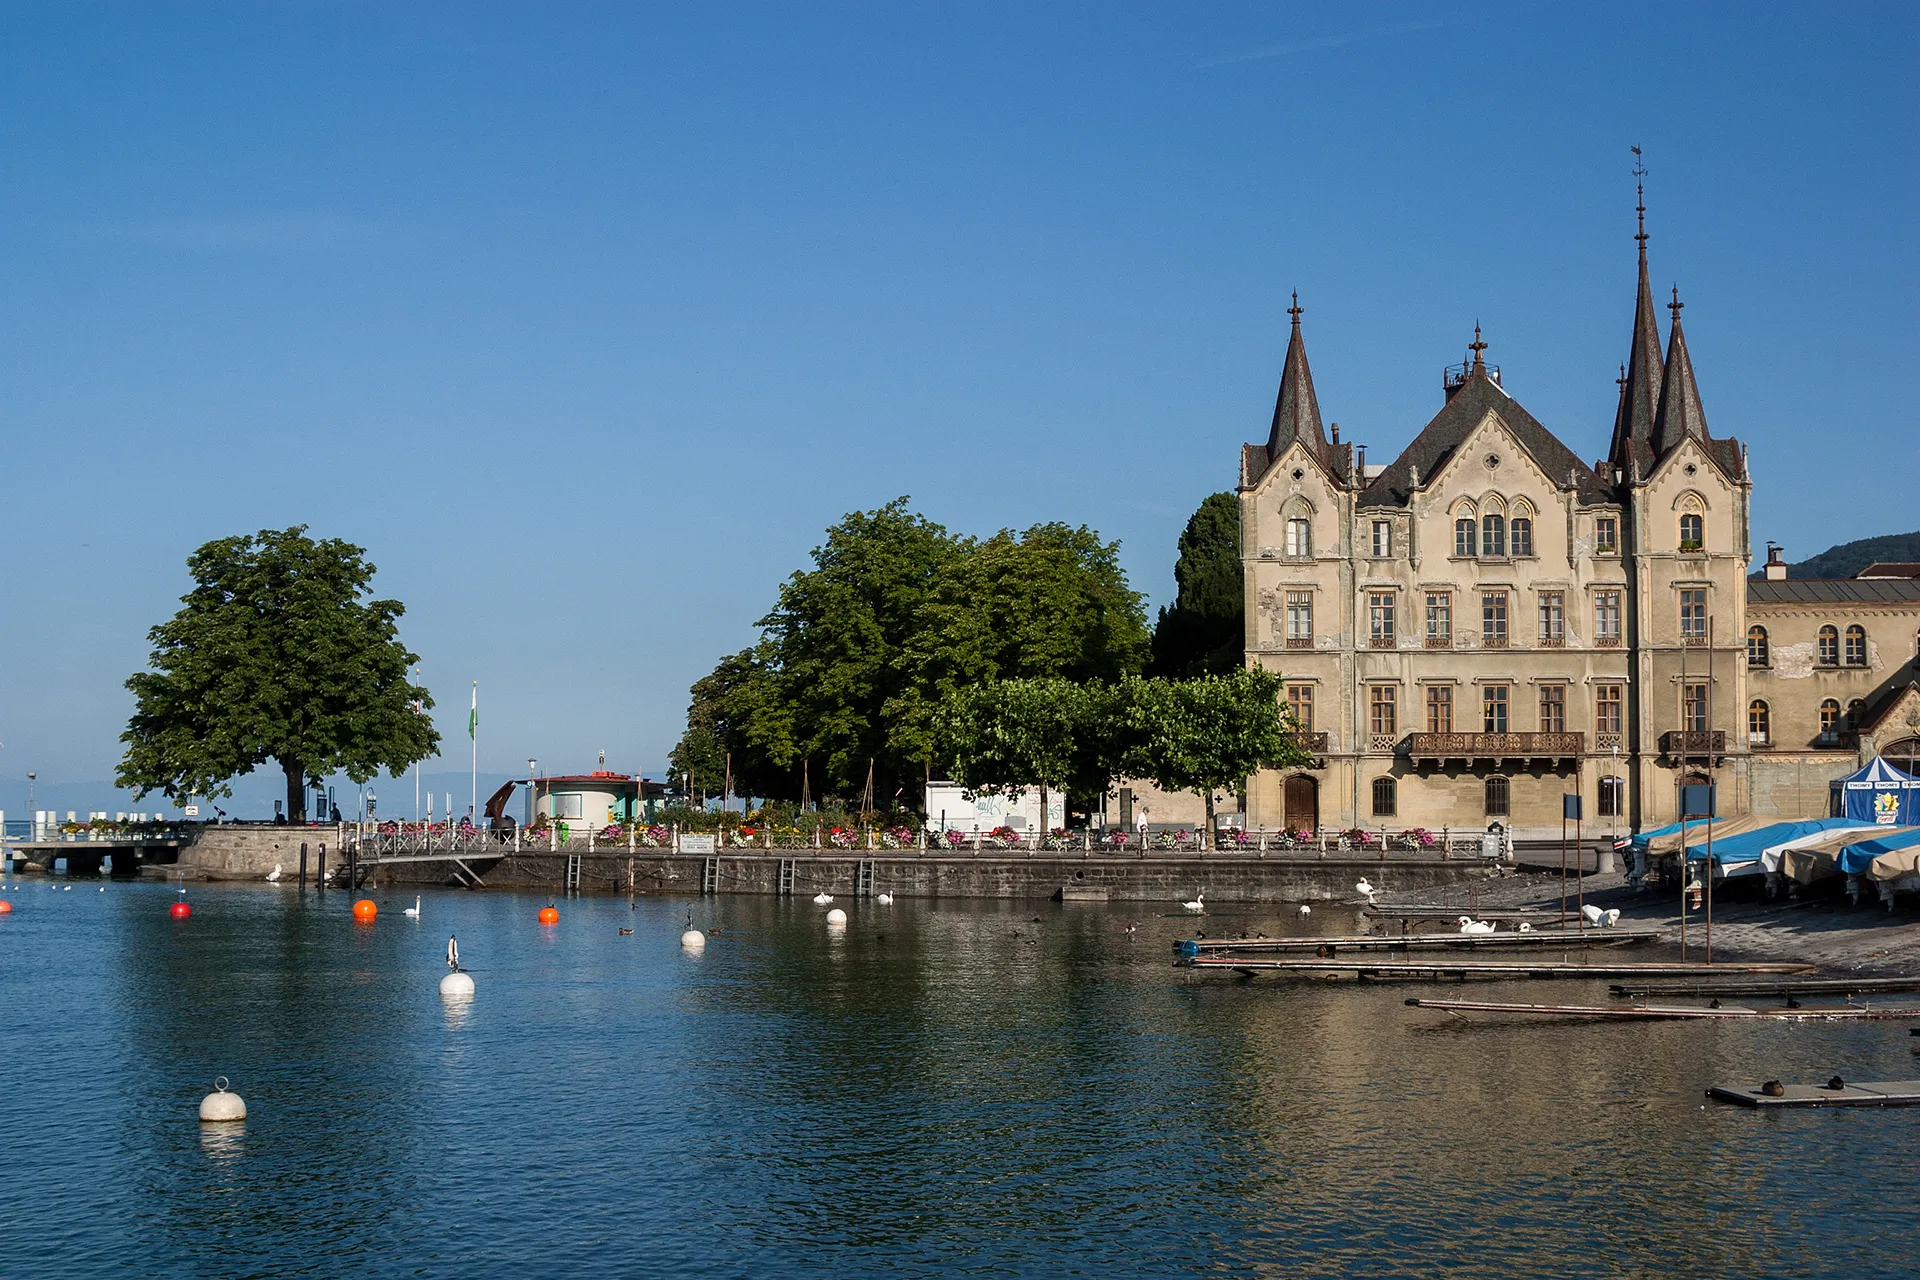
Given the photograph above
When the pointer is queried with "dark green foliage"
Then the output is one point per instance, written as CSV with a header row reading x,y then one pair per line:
x,y
895,615
275,656
1204,631
1850,558
1207,734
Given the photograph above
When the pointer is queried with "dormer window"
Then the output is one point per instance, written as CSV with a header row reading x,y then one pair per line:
x,y
1299,537
1606,536
1382,539
1692,532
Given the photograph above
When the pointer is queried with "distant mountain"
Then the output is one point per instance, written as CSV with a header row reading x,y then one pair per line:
x,y
1850,558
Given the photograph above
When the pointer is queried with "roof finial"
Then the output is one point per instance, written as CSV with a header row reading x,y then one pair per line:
x,y
1621,381
1640,189
1676,304
1477,346
1296,309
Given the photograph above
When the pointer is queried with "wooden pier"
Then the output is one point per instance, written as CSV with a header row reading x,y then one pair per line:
x,y
1645,1012
1868,1093
1447,970
1328,947
1782,989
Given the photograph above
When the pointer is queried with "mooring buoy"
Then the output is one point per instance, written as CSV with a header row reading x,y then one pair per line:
x,y
221,1105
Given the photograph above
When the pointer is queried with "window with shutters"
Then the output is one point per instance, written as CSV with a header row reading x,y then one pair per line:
x,y
1606,708
1382,539
1300,702
1384,709
1299,537
1553,708
1380,619
1299,619
1606,619
1439,708
1493,708
1439,620
1493,619
1553,620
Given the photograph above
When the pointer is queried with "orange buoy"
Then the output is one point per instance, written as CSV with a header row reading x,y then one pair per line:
x,y
6,908
549,915
180,910
364,911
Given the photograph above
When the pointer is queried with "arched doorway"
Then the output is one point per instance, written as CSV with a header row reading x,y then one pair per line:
x,y
1302,803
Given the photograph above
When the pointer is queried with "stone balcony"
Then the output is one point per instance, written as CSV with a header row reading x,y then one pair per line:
x,y
1436,747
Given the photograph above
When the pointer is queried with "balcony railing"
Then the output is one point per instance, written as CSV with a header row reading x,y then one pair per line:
x,y
1383,642
1299,642
1694,742
1314,742
1496,746
1553,642
1440,642
1493,642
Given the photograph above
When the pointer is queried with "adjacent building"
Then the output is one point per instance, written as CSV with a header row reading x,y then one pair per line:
x,y
1487,623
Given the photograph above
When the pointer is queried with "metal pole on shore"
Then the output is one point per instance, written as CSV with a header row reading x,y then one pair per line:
x,y
320,880
303,866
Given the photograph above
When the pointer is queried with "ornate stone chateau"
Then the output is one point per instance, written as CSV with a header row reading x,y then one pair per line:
x,y
1487,623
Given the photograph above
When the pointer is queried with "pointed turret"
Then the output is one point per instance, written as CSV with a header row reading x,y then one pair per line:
x,y
1296,414
1633,424
1680,412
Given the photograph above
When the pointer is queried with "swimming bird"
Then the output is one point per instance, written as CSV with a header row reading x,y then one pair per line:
x,y
884,899
1305,910
413,910
1603,919
625,932
274,875
1525,927
822,899
1199,902
1469,925
1365,890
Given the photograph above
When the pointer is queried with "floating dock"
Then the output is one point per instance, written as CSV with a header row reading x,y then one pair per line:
x,y
1657,1012
1460,970
1870,1093
1780,988
1331,946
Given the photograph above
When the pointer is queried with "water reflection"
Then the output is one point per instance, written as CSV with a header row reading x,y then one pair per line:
x,y
932,1088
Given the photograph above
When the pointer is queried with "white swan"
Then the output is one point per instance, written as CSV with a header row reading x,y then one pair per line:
x,y
274,875
1199,902
1469,925
1525,927
1364,887
1601,919
1305,910
822,899
413,910
884,899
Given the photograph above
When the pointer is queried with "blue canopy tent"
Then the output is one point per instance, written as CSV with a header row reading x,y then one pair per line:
x,y
1859,859
1747,846
1879,793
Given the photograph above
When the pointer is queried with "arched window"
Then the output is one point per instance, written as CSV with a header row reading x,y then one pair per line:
x,y
1856,646
1522,536
1299,536
1493,535
1464,542
1613,797
1497,797
1757,646
1829,647
1759,724
1692,532
1829,722
1385,797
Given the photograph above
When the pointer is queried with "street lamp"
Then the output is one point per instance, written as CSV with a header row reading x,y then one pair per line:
x,y
530,796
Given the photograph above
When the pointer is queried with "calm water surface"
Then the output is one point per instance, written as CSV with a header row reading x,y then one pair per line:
x,y
945,1089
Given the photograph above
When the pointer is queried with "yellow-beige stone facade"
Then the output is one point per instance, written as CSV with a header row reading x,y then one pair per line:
x,y
1488,624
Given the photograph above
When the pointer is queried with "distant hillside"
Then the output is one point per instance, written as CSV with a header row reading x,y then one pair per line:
x,y
1850,558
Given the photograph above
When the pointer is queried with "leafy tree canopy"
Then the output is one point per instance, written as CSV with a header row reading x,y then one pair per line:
x,y
1207,734
275,655
896,614
1204,631
1005,736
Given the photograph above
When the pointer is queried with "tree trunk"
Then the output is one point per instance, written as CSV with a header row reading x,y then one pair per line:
x,y
1046,828
1206,838
296,790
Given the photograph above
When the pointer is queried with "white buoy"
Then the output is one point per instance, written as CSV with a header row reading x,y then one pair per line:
x,y
221,1105
457,984
694,940
836,916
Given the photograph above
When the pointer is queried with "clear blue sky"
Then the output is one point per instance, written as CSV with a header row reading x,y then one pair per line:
x,y
586,320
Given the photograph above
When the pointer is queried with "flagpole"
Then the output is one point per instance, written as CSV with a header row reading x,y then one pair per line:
x,y
473,778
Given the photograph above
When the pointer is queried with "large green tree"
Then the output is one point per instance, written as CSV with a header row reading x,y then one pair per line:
x,y
275,655
1204,631
1207,734
1008,735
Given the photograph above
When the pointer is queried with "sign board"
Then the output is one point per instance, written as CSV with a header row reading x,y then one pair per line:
x,y
690,843
192,811
950,808
1696,801
1569,808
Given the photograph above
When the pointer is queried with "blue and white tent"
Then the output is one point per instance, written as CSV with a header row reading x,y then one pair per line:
x,y
1880,794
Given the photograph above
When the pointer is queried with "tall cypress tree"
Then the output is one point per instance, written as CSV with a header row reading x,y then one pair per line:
x,y
1204,631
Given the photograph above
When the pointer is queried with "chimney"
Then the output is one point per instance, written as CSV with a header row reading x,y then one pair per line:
x,y
1336,433
1360,464
1776,563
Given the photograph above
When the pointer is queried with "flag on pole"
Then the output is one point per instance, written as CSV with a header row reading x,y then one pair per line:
x,y
473,716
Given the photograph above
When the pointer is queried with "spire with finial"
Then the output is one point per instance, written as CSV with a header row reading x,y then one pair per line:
x,y
1640,394
1680,412
1477,346
1296,412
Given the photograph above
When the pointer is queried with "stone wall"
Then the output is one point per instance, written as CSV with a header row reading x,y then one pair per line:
x,y
235,852
1237,878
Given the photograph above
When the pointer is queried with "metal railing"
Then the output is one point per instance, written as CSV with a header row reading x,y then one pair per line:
x,y
1495,746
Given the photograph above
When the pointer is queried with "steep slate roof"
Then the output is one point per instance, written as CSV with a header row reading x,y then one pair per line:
x,y
1296,415
1886,700
1835,591
1437,442
1633,422
1890,569
1680,414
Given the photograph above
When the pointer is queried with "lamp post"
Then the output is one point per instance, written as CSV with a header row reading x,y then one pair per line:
x,y
532,800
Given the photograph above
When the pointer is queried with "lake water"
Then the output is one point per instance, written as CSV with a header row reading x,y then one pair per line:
x,y
947,1088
